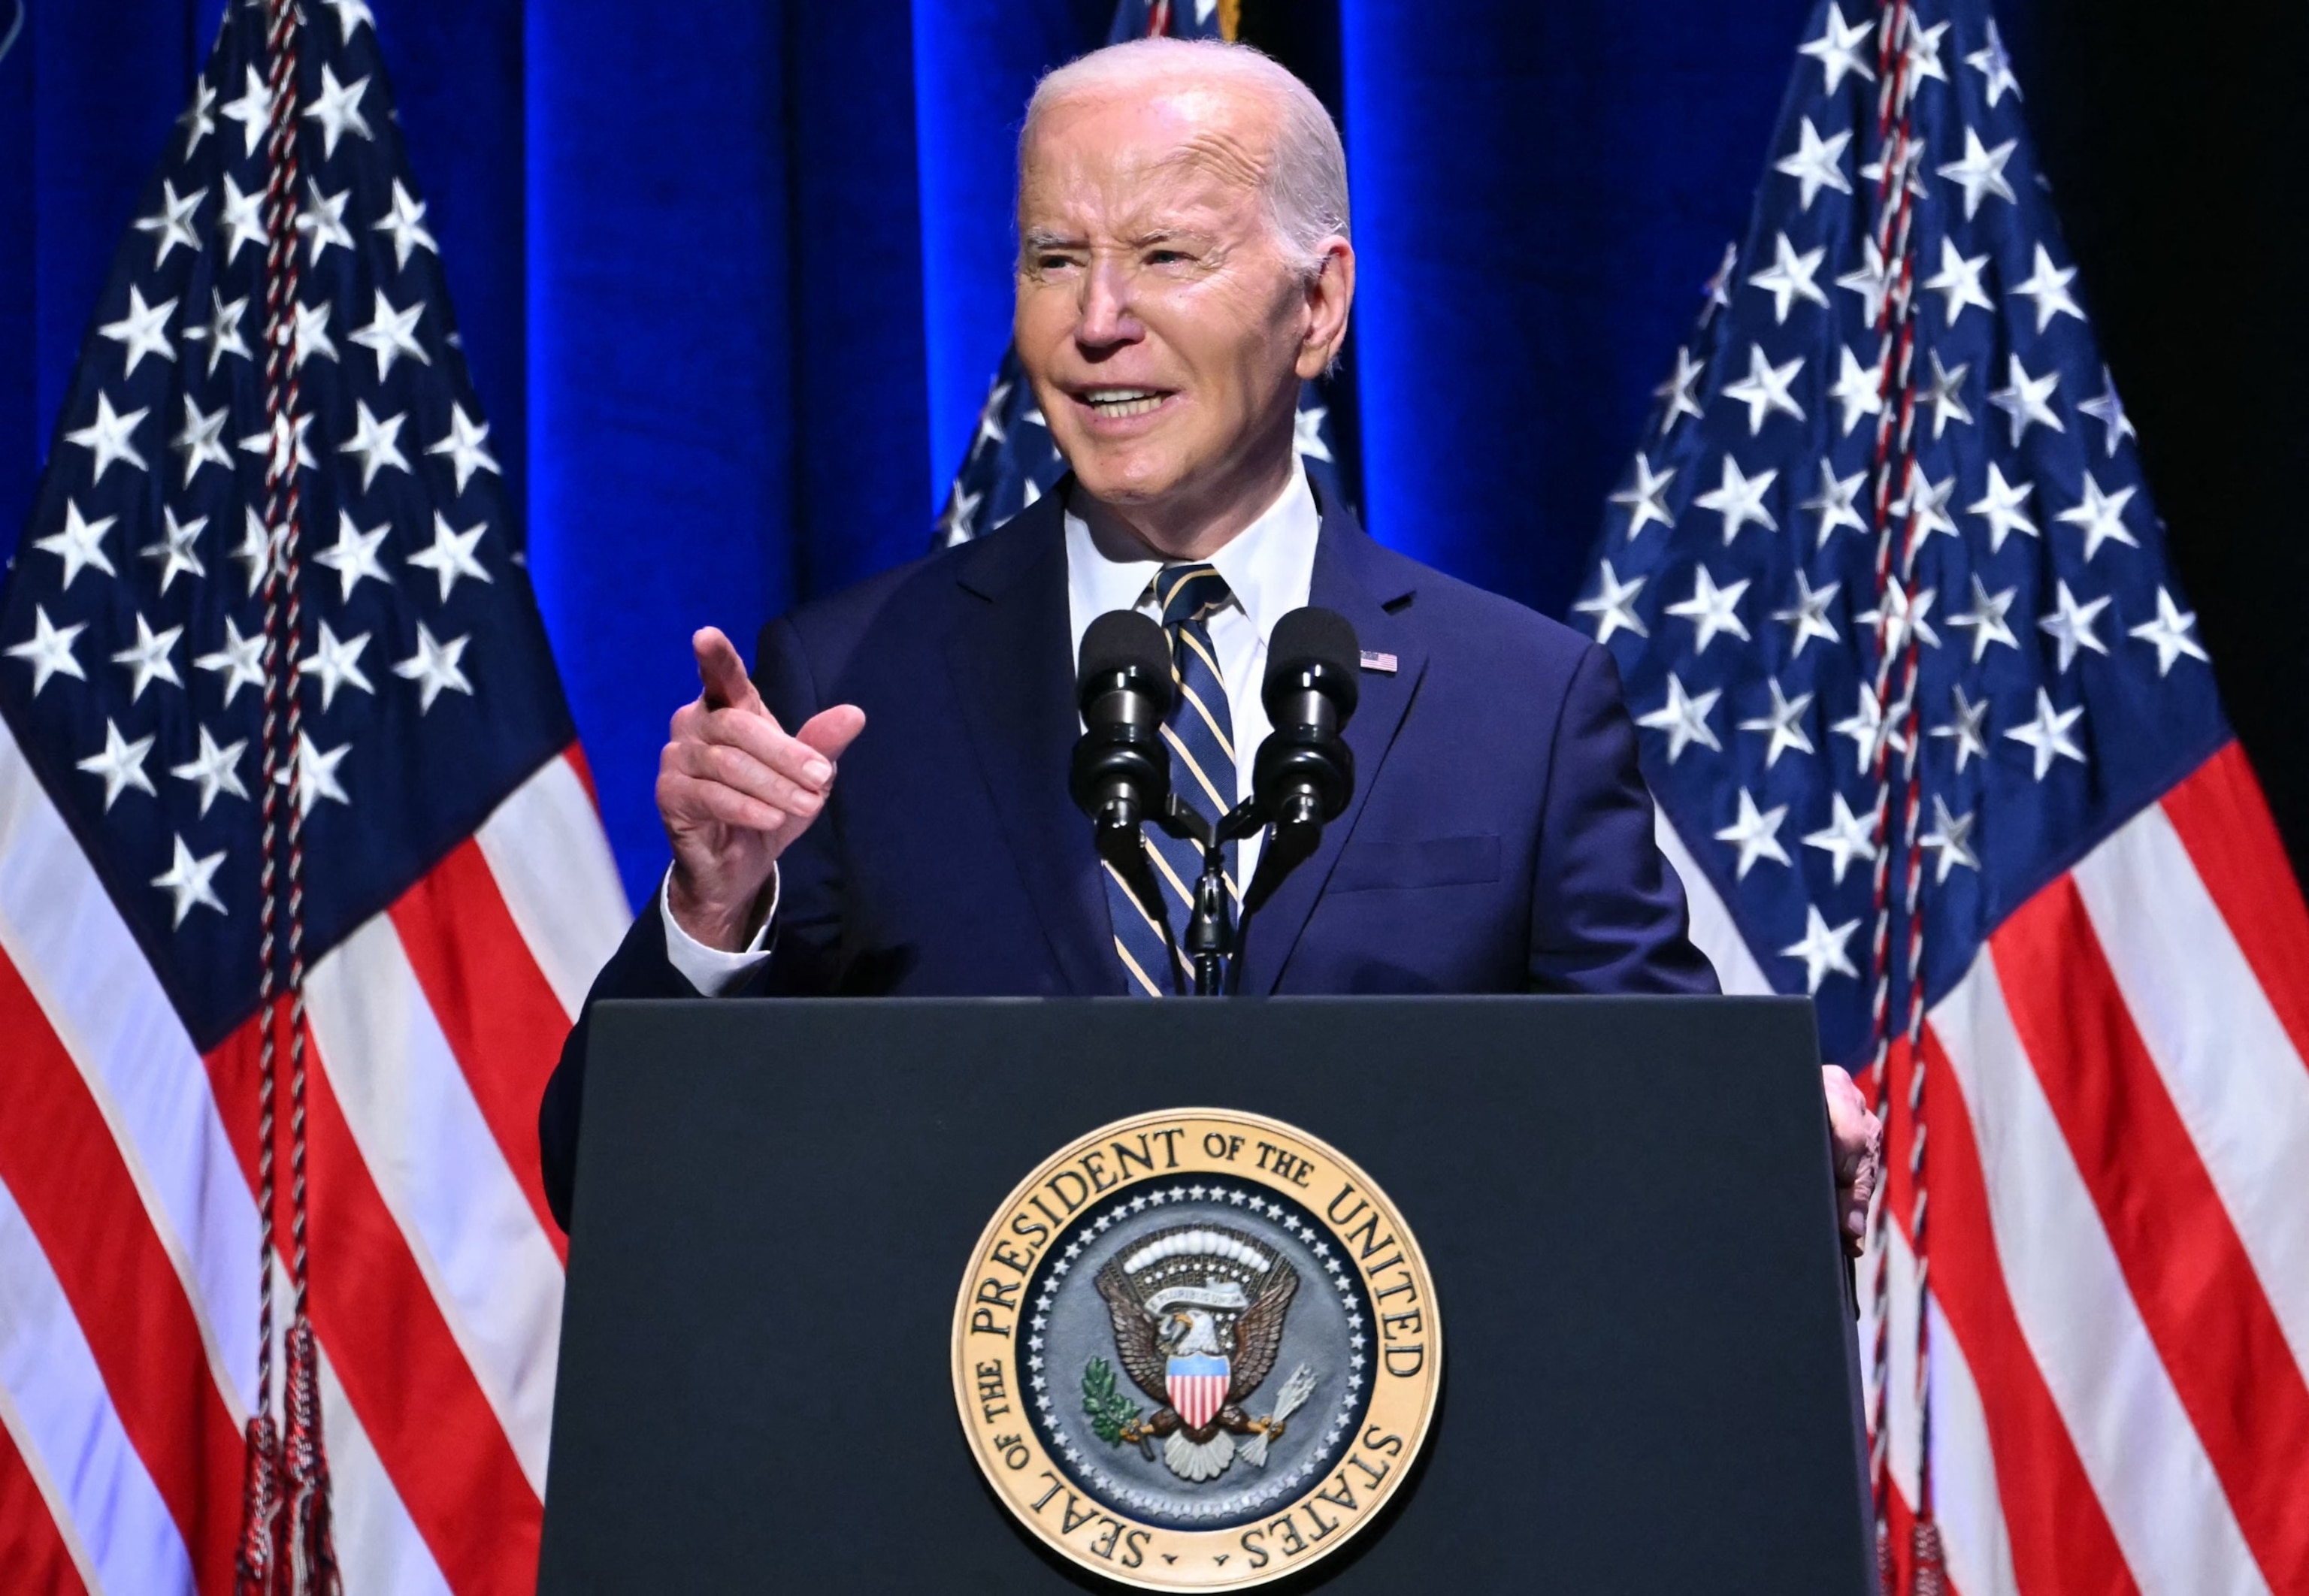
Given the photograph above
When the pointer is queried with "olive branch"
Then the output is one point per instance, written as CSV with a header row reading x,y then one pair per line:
x,y
1111,1412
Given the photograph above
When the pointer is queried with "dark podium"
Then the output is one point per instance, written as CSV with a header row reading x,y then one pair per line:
x,y
1650,1381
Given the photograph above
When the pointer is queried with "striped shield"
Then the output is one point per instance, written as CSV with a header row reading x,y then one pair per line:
x,y
1197,1384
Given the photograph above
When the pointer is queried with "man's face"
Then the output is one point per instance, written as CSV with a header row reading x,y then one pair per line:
x,y
1160,323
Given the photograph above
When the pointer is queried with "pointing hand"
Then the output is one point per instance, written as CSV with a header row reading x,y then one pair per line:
x,y
735,788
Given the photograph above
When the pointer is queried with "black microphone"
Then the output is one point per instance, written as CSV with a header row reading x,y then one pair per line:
x,y
1304,772
1121,772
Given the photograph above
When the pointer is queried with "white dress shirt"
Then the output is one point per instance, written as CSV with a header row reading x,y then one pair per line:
x,y
1269,567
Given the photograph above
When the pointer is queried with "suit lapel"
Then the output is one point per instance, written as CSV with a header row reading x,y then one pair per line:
x,y
1369,586
1012,657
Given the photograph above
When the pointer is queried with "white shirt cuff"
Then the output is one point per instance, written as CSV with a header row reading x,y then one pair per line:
x,y
709,968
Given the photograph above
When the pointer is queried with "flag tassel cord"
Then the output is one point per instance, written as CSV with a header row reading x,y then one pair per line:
x,y
1894,457
285,1542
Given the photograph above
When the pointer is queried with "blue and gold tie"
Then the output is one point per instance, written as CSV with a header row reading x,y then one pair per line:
x,y
1200,735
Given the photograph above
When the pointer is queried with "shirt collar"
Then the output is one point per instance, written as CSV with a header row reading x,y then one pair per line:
x,y
1269,567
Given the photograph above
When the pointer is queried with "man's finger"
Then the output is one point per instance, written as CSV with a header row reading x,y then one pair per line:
x,y
758,736
722,671
832,731
732,807
680,794
807,757
748,775
1853,1152
737,769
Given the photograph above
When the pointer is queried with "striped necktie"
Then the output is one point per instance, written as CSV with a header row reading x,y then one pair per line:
x,y
1200,734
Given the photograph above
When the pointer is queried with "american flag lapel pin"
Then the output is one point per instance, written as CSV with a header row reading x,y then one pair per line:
x,y
1382,663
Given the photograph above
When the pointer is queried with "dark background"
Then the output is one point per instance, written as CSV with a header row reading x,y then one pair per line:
x,y
732,276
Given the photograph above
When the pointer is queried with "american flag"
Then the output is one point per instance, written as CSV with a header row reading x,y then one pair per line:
x,y
1936,741
453,890
1011,460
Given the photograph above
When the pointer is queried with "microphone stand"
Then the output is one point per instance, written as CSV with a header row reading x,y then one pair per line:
x,y
1213,940
1301,780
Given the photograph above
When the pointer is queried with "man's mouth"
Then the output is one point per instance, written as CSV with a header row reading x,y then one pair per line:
x,y
1118,404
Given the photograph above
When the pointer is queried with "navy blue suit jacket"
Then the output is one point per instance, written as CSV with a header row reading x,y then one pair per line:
x,y
1500,838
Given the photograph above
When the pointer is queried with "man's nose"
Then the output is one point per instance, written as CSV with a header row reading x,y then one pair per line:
x,y
1104,318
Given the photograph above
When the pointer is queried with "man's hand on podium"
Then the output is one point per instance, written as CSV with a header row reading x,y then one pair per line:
x,y
734,791
1859,1140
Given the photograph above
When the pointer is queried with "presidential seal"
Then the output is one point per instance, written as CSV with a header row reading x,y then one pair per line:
x,y
1197,1351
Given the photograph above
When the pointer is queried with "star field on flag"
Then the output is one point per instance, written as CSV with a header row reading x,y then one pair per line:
x,y
455,887
1935,740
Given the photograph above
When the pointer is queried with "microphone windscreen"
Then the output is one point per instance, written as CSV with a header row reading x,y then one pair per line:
x,y
1313,638
1125,640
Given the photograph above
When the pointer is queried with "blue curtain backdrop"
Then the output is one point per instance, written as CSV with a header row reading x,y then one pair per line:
x,y
733,275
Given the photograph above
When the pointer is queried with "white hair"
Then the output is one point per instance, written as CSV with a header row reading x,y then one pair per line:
x,y
1306,173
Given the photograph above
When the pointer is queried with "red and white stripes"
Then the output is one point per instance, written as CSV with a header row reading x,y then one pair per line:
x,y
2119,1394
128,1220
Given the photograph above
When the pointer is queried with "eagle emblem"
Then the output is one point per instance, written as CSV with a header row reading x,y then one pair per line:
x,y
1150,1311
1197,1312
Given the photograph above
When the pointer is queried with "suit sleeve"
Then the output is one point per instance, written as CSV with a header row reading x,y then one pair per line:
x,y
807,925
638,968
1607,911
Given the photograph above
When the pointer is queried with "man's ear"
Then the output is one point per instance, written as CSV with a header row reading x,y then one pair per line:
x,y
1328,295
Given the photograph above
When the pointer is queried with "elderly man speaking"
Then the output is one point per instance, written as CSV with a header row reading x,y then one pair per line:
x,y
1183,264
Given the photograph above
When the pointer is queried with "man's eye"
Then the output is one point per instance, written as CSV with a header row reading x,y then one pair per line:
x,y
1053,263
1167,257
